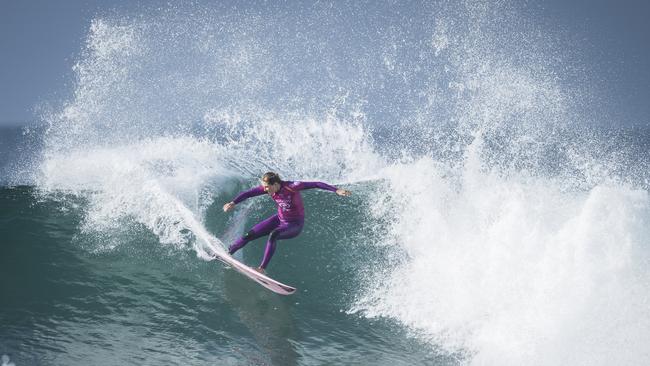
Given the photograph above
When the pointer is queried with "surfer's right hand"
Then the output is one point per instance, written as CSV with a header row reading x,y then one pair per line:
x,y
228,206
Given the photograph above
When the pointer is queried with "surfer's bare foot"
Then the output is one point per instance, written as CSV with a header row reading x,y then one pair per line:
x,y
260,270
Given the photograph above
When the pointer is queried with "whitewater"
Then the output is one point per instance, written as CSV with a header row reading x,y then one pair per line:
x,y
490,224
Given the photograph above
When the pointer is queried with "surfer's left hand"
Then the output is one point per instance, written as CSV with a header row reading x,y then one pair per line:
x,y
343,192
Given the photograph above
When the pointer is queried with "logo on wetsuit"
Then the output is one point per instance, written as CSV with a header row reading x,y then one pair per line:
x,y
284,201
289,203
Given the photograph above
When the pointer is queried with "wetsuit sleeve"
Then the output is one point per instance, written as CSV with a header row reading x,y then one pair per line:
x,y
257,191
299,186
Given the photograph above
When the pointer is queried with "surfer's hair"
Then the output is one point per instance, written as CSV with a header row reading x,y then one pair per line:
x,y
271,178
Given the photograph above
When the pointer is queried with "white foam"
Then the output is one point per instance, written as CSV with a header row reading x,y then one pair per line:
x,y
516,270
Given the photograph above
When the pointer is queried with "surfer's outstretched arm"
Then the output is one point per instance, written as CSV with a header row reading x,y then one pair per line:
x,y
299,186
257,191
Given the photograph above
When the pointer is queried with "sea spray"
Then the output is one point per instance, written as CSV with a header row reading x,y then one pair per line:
x,y
128,144
519,234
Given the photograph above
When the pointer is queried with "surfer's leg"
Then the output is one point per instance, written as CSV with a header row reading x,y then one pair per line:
x,y
286,230
261,229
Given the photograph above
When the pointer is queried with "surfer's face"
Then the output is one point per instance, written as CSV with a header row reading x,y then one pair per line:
x,y
271,189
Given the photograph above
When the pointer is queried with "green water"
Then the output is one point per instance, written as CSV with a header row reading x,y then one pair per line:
x,y
67,300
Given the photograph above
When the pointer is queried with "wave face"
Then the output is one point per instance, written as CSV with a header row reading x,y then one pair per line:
x,y
490,219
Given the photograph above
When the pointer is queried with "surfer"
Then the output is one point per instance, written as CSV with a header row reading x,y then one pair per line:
x,y
289,220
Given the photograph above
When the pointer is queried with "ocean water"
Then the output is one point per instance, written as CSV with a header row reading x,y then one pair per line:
x,y
496,217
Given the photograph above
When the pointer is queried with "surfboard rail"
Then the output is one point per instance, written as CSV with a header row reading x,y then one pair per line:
x,y
262,279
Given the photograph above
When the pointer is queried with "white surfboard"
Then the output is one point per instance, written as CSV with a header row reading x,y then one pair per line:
x,y
264,280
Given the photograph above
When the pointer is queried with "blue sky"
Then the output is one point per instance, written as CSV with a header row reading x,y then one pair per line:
x,y
39,41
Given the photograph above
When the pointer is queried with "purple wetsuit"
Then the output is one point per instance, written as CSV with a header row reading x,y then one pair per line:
x,y
286,224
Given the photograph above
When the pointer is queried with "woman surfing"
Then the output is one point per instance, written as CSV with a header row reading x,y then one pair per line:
x,y
289,220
